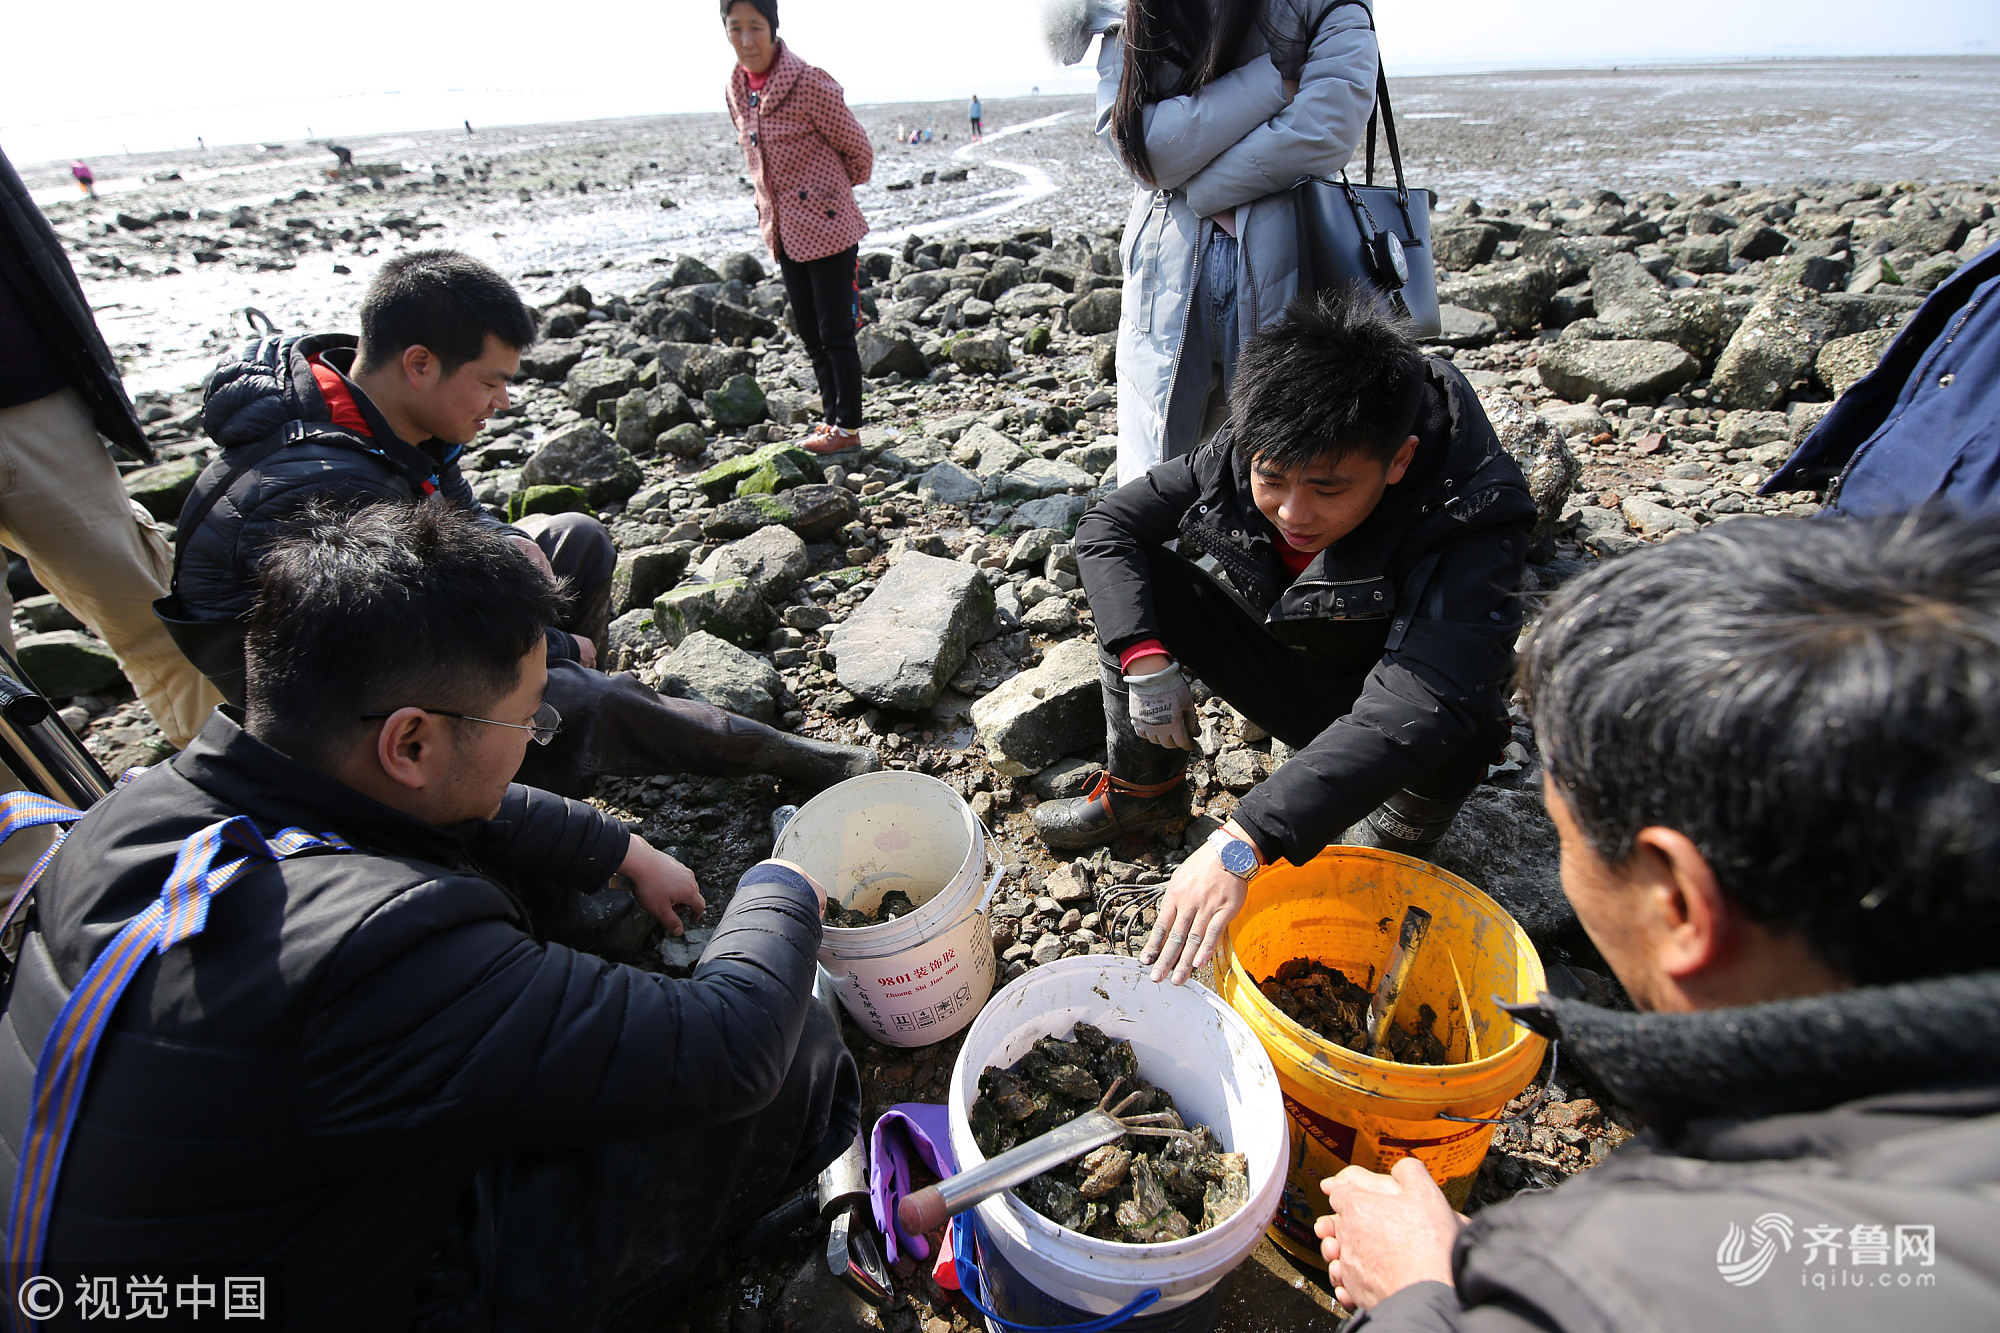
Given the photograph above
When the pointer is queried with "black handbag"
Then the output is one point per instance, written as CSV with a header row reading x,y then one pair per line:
x,y
1369,233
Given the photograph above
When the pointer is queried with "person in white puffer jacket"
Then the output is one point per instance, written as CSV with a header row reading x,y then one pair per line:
x,y
1234,101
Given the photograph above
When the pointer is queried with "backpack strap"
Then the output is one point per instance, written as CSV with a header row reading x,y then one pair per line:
x,y
62,1071
293,432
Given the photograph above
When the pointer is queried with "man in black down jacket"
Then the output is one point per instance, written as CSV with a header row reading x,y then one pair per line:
x,y
1774,761
1366,533
329,417
369,1076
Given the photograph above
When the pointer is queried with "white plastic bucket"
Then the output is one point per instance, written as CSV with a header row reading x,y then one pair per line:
x,y
1188,1043
921,977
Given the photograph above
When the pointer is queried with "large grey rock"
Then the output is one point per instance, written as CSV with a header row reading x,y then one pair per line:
x,y
689,271
64,662
1459,247
163,488
1515,296
602,379
699,368
1057,511
948,483
1504,843
631,642
923,288
814,511
885,352
1044,713
1545,460
1842,362
643,415
1033,299
1465,328
770,561
585,457
1641,371
732,610
1650,519
724,675
982,353
643,573
1096,312
1774,348
552,358
898,648
1632,303
739,402
774,467
733,321
1038,477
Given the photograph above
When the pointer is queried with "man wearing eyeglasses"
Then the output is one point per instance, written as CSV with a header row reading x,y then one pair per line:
x,y
368,1076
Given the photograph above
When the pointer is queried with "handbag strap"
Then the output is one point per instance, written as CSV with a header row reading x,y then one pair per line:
x,y
1381,112
62,1071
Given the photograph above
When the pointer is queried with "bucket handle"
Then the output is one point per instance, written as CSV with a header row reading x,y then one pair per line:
x,y
1555,1050
968,1283
999,866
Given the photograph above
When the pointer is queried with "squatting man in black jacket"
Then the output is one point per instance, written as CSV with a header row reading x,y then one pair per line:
x,y
370,1076
1773,759
1361,534
329,417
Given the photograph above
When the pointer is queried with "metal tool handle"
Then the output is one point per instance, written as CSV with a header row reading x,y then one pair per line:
x,y
927,1209
1382,1007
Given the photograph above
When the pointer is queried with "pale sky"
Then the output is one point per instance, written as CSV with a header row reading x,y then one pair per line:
x,y
144,75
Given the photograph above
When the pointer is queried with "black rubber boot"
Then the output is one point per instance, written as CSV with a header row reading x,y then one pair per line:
x,y
817,764
1112,808
1408,823
1145,790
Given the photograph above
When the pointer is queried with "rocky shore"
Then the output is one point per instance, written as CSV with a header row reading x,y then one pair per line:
x,y
1649,357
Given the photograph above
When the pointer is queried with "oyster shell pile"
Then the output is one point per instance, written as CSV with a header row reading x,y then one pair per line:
x,y
893,904
1321,998
1137,1190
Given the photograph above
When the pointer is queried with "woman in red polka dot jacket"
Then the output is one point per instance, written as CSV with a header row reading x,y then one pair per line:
x,y
806,153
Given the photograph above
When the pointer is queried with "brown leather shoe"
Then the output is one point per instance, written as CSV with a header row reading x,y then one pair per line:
x,y
1113,807
829,439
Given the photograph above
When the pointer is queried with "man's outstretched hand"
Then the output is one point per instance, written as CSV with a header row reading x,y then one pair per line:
x,y
1200,902
1387,1232
661,884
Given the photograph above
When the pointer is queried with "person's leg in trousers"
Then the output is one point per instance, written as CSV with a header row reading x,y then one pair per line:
x,y
806,322
599,1239
64,510
835,305
581,552
615,726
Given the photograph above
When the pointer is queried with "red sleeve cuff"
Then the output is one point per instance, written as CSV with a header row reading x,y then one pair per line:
x,y
1143,648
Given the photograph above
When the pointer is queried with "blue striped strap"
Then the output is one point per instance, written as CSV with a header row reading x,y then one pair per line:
x,y
63,1069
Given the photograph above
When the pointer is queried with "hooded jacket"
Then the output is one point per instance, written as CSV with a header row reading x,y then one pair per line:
x,y
33,265
307,1086
267,394
1421,598
1828,1163
806,153
1235,144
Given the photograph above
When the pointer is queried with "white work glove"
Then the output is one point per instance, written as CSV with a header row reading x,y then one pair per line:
x,y
1163,708
1068,25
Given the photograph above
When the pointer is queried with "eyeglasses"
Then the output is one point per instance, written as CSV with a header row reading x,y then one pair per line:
x,y
546,724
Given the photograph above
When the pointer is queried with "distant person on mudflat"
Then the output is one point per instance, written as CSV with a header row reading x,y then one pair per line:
x,y
974,114
806,153
86,179
329,417
1215,110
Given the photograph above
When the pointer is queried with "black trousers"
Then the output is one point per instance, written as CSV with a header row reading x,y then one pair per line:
x,y
826,306
581,552
598,1239
1282,690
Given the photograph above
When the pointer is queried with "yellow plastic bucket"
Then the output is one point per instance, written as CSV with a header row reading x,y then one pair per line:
x,y
1342,908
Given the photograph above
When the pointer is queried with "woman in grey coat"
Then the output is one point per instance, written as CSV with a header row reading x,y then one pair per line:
x,y
1214,108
